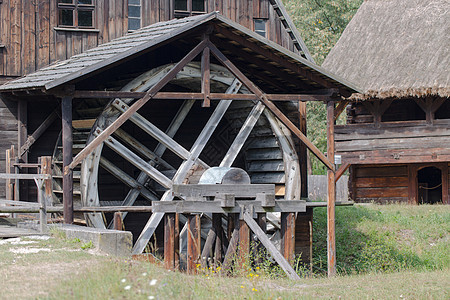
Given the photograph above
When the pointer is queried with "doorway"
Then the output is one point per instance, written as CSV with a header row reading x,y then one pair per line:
x,y
429,185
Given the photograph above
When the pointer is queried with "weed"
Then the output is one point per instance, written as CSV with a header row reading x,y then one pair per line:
x,y
87,245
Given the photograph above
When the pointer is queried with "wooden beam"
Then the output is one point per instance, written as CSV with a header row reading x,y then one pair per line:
x,y
127,179
198,206
206,73
137,105
253,88
170,249
242,135
331,198
46,168
9,159
67,141
243,255
412,185
38,132
445,184
303,150
284,264
138,162
118,224
342,170
142,149
183,170
193,243
340,108
160,148
313,96
22,127
288,236
211,190
153,130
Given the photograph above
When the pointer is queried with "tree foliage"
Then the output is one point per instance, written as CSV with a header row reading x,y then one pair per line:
x,y
321,23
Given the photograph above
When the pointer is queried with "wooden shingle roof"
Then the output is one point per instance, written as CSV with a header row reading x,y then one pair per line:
x,y
86,63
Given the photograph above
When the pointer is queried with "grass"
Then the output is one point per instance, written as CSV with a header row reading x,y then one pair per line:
x,y
389,238
383,252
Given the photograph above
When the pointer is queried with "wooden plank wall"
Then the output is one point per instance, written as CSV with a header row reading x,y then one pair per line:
x,y
8,134
32,39
448,182
32,42
242,12
379,183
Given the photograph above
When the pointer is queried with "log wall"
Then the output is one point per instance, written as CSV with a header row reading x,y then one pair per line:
x,y
387,143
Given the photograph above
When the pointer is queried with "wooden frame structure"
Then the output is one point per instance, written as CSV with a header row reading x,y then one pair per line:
x,y
296,80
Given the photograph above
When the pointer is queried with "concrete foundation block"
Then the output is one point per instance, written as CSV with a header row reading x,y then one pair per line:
x,y
114,242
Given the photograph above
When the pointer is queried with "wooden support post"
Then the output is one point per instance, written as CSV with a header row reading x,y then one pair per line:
x,y
171,250
288,236
206,89
117,221
193,243
9,184
16,181
303,151
412,185
67,141
331,234
244,243
46,168
445,184
21,188
22,131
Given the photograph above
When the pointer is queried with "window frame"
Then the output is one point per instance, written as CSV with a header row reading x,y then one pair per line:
x,y
134,18
262,20
189,12
76,8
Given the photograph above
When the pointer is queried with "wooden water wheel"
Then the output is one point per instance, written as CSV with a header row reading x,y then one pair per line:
x,y
173,142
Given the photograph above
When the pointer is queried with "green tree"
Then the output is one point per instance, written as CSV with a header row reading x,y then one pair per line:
x,y
321,23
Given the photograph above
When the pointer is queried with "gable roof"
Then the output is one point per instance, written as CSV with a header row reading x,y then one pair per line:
x,y
396,48
82,65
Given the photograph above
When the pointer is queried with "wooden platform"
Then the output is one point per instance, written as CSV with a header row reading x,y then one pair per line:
x,y
8,229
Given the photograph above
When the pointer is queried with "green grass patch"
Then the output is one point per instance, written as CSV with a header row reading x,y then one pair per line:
x,y
389,238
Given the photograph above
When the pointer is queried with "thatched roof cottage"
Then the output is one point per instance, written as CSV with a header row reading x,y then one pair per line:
x,y
397,136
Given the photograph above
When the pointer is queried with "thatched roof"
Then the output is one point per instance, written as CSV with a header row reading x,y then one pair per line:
x,y
396,48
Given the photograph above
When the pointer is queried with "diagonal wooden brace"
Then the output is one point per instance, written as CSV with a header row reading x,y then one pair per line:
x,y
254,89
137,105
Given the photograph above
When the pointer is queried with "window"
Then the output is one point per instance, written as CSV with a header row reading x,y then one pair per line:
x,y
134,14
260,26
185,8
76,13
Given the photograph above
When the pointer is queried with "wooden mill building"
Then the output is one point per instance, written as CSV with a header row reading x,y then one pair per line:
x,y
207,90
397,137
